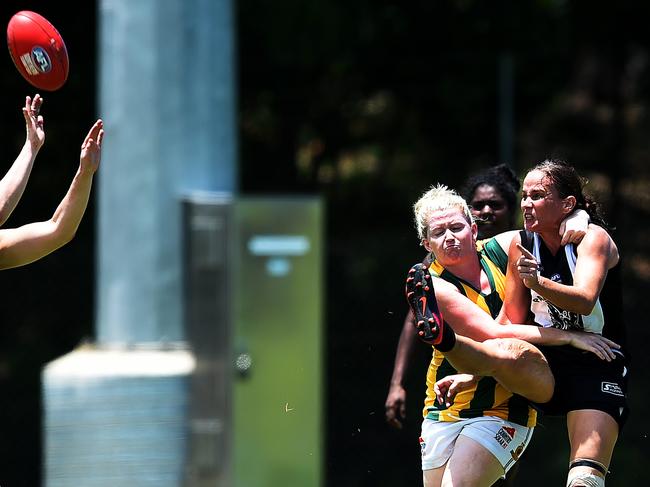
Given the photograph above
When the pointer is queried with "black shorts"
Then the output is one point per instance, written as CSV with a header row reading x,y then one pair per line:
x,y
583,381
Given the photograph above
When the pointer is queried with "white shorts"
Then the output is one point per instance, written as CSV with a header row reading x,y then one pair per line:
x,y
504,439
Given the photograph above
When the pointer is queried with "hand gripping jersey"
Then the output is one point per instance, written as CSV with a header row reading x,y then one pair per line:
x,y
487,397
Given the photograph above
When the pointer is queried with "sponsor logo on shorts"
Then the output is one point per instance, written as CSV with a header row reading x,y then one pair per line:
x,y
505,435
516,453
423,445
611,388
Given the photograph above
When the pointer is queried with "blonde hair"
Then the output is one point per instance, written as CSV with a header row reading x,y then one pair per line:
x,y
439,197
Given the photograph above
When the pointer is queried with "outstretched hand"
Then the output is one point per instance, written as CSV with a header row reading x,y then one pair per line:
x,y
34,121
91,149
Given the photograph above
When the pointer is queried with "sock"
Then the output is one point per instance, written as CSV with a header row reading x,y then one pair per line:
x,y
447,338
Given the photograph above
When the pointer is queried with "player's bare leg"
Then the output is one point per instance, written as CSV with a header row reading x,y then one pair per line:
x,y
472,465
592,435
433,477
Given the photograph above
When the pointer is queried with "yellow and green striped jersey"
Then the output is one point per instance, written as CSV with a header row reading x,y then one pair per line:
x,y
487,397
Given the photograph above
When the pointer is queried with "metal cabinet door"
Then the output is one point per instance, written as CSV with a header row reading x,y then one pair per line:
x,y
277,339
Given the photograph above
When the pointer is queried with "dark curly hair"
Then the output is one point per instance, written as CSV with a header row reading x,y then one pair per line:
x,y
501,178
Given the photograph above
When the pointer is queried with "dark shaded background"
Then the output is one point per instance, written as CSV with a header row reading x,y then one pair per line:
x,y
367,103
47,308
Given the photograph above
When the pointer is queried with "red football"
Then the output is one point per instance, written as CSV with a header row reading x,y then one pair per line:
x,y
38,50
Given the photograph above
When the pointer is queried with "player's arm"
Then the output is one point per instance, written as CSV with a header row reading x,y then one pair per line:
x,y
13,184
516,303
467,319
396,400
574,227
25,244
596,255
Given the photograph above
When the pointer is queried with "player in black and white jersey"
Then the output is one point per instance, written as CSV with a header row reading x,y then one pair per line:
x,y
572,288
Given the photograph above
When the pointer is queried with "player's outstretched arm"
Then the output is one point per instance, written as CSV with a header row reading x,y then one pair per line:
x,y
12,185
25,244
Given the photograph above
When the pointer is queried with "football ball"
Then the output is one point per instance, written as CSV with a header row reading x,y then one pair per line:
x,y
38,51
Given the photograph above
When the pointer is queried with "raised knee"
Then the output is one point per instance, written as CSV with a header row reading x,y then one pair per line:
x,y
525,358
540,373
515,351
506,348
